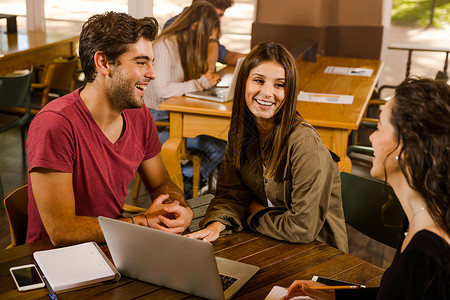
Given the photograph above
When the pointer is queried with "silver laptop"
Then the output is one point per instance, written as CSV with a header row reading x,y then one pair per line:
x,y
173,261
219,93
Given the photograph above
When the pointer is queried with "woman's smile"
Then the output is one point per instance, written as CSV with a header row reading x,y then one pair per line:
x,y
265,90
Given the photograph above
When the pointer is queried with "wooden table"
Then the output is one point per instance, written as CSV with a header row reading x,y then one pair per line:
x,y
191,117
24,49
281,263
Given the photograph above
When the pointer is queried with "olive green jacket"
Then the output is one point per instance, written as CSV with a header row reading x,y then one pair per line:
x,y
306,196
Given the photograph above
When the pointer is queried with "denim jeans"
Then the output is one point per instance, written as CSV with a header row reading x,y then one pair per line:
x,y
210,148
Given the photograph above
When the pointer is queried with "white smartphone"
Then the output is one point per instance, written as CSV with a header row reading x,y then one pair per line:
x,y
27,277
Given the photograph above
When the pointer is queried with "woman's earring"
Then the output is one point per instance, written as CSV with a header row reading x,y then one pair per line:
x,y
396,158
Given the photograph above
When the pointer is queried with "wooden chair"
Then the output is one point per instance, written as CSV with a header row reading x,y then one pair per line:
x,y
185,155
58,78
372,208
14,91
367,126
16,206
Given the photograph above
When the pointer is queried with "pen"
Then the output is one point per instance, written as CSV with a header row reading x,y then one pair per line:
x,y
334,287
51,292
327,96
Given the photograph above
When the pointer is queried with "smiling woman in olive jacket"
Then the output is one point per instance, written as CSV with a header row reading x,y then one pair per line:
x,y
277,176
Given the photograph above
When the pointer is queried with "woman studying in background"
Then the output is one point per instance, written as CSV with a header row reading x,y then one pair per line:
x,y
277,176
412,151
181,64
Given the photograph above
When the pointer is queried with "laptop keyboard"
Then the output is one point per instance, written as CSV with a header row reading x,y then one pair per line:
x,y
220,94
227,281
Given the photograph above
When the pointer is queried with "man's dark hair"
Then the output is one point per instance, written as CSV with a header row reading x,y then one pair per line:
x,y
112,33
220,4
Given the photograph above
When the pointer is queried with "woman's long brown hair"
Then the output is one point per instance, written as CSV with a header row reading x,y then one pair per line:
x,y
193,29
243,129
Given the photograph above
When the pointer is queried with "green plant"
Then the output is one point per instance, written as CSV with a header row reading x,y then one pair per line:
x,y
417,12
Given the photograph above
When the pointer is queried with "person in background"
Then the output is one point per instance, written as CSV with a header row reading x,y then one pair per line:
x,y
277,176
224,55
84,148
181,63
412,150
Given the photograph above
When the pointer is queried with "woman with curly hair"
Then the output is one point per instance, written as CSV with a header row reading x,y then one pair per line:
x,y
412,154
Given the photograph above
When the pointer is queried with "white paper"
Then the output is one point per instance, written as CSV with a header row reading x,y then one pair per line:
x,y
279,292
325,98
349,71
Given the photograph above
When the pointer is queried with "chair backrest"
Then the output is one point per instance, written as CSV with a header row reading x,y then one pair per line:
x,y
372,208
15,90
63,75
16,206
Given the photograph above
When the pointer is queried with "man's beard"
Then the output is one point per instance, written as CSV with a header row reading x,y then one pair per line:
x,y
121,95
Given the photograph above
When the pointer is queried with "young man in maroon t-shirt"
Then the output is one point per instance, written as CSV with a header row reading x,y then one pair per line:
x,y
85,148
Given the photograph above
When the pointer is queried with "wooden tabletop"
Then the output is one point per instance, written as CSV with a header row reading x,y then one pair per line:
x,y
26,48
202,107
26,41
311,79
281,263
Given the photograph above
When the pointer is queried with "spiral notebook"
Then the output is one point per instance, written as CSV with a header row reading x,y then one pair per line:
x,y
75,266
